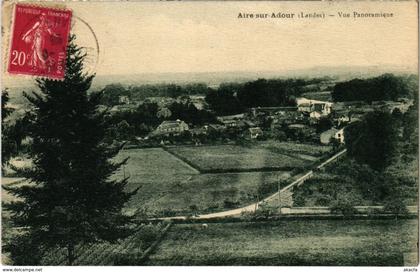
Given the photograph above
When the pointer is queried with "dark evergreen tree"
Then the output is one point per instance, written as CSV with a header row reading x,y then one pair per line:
x,y
5,111
72,199
6,143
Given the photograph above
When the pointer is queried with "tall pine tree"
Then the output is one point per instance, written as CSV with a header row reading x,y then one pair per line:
x,y
72,199
6,142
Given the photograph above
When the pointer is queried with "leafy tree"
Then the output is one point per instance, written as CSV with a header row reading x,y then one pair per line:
x,y
395,206
124,130
111,94
267,93
384,87
323,124
344,206
190,114
411,129
224,102
373,141
167,90
71,199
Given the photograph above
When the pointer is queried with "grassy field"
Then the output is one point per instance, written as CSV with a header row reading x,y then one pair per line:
x,y
296,148
267,155
324,190
168,186
310,242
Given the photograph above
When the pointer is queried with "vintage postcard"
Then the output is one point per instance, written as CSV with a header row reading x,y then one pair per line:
x,y
210,133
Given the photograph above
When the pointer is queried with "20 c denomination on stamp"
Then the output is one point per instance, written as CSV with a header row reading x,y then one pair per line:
x,y
39,41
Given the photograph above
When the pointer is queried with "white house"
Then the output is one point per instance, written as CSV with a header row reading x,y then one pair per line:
x,y
332,133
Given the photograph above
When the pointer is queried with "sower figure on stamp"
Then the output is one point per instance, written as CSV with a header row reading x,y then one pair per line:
x,y
36,36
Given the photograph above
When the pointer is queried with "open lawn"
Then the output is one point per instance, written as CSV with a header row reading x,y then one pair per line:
x,y
296,148
300,242
232,158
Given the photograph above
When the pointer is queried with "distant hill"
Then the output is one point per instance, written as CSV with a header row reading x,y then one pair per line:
x,y
213,79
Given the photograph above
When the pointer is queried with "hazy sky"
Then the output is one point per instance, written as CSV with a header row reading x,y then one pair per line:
x,y
154,37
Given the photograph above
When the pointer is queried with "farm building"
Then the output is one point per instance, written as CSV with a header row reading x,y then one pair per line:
x,y
333,133
172,127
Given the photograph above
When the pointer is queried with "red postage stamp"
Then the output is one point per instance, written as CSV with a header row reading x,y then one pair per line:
x,y
39,41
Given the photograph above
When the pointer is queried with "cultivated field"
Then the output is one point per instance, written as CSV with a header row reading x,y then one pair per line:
x,y
310,242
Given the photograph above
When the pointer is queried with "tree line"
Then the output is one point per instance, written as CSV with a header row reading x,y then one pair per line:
x,y
233,98
112,92
384,87
228,98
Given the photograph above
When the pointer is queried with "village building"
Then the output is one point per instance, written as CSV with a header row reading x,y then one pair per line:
x,y
160,100
199,101
315,114
310,105
287,118
123,99
123,107
198,131
254,133
341,119
327,136
254,112
297,131
233,121
172,127
216,128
